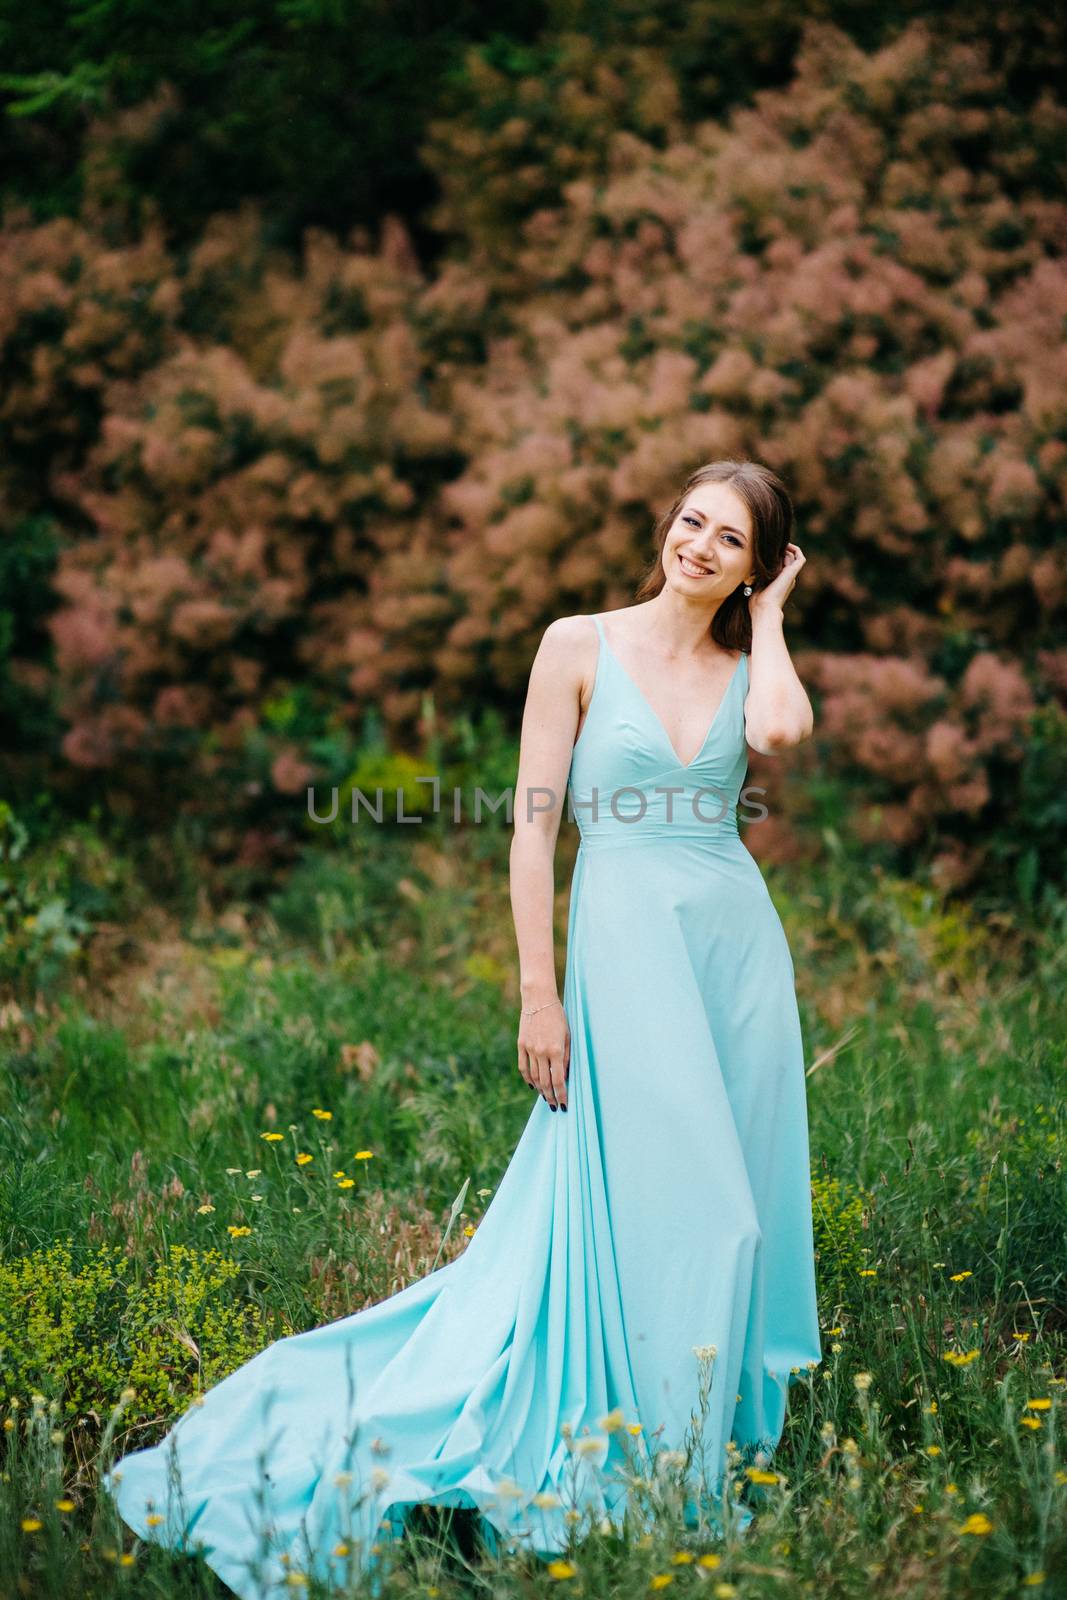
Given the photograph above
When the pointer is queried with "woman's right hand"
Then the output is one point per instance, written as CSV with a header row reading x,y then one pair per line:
x,y
544,1047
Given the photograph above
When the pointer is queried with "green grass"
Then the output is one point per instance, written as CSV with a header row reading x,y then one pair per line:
x,y
376,987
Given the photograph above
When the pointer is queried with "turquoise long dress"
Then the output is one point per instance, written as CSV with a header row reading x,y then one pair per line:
x,y
667,1210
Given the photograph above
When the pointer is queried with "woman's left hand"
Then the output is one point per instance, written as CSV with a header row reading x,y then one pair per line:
x,y
779,589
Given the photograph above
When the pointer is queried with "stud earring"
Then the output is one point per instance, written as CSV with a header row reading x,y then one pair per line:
x,y
748,588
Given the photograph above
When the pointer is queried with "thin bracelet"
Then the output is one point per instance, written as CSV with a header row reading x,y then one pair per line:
x,y
545,1007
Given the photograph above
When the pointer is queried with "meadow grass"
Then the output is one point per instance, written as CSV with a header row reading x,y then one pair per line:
x,y
260,1119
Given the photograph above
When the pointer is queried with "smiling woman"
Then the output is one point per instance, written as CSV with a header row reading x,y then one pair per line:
x,y
676,1177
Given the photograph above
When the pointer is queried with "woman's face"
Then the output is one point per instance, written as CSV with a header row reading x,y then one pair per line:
x,y
708,548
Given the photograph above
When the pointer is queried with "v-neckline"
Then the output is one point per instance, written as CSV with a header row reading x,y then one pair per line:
x,y
683,766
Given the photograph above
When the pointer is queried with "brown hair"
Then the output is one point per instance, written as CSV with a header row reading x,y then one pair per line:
x,y
771,511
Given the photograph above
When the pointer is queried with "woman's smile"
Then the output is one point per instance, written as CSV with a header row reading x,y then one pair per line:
x,y
691,570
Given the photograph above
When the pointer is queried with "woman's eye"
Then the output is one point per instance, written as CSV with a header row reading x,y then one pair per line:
x,y
694,523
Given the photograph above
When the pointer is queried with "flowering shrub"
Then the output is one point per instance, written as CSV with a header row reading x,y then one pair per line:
x,y
837,1221
351,475
82,1331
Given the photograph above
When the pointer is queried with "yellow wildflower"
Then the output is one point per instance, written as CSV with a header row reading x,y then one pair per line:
x,y
323,1116
1038,1405
346,1183
303,1158
237,1232
709,1561
681,1558
364,1155
561,1569
202,1211
153,1519
31,1524
64,1505
272,1138
660,1580
958,1277
977,1522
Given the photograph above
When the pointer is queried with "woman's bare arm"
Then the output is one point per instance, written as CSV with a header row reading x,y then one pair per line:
x,y
549,723
778,712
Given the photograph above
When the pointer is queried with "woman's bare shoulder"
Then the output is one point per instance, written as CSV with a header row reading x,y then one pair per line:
x,y
565,635
568,650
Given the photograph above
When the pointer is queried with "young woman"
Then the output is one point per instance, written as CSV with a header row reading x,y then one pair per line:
x,y
653,1228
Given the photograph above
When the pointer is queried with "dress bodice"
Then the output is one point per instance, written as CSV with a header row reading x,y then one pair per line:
x,y
626,781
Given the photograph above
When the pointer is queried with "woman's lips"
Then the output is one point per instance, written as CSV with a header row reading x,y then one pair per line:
x,y
702,574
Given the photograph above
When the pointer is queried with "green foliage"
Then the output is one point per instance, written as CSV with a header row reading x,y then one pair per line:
x,y
58,881
929,938
28,552
80,1329
1029,849
313,107
101,1087
838,1223
395,774
1020,1196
